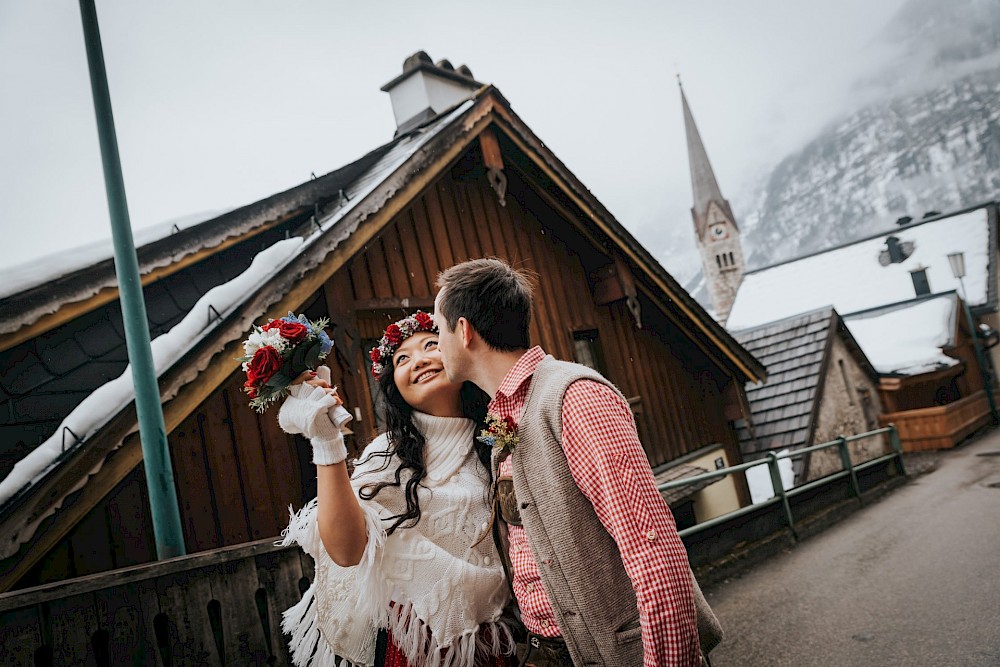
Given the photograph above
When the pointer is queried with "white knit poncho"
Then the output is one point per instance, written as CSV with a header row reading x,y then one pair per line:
x,y
443,590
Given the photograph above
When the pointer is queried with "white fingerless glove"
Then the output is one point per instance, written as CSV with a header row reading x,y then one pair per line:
x,y
306,412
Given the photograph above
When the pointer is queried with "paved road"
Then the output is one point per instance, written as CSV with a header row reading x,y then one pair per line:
x,y
913,579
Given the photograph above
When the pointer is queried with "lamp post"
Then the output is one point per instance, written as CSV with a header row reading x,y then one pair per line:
x,y
957,262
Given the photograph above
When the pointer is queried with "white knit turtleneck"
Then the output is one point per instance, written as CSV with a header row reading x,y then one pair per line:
x,y
448,444
441,589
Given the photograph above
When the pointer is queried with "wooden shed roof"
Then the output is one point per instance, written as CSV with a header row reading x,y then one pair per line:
x,y
795,351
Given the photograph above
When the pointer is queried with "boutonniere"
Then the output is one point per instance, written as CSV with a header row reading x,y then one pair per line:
x,y
500,434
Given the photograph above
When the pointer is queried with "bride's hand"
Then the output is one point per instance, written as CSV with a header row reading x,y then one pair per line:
x,y
319,378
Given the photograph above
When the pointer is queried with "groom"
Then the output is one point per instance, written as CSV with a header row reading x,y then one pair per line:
x,y
598,570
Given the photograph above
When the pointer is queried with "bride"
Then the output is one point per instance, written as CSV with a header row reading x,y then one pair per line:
x,y
396,544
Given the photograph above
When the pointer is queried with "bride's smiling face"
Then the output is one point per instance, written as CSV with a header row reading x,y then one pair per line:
x,y
419,375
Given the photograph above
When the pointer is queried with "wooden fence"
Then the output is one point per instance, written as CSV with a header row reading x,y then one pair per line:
x,y
221,607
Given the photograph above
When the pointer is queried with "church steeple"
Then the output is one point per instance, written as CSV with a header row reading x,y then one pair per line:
x,y
714,222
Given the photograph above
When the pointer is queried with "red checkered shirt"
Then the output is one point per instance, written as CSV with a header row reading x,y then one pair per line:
x,y
610,467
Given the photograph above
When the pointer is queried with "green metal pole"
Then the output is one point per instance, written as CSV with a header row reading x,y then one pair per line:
x,y
152,432
845,460
779,490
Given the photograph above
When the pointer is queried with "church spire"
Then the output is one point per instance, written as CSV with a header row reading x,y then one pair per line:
x,y
703,184
715,227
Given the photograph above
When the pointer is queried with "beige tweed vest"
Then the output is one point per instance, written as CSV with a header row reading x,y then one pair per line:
x,y
579,562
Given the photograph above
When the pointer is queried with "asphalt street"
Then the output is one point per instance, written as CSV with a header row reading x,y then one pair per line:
x,y
912,579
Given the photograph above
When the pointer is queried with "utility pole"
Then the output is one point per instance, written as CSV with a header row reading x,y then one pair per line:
x,y
152,432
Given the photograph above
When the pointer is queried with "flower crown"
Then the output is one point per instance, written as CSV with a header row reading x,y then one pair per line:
x,y
395,334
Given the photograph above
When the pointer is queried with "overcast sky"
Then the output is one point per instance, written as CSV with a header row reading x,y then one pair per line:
x,y
219,104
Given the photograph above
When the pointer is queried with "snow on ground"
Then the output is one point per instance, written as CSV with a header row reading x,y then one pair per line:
x,y
24,276
908,340
850,278
108,400
759,479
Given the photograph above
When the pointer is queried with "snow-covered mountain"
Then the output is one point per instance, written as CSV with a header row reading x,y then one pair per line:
x,y
927,137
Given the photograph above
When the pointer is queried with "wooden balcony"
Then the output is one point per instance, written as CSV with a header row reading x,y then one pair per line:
x,y
221,607
940,427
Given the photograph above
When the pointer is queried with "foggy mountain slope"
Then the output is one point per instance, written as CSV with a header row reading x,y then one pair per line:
x,y
927,139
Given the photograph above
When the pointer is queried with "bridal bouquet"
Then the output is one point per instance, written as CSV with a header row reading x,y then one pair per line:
x,y
279,352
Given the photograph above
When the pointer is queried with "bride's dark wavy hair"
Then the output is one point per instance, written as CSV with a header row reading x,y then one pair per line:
x,y
407,442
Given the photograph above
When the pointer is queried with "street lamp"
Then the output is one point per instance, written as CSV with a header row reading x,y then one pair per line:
x,y
957,262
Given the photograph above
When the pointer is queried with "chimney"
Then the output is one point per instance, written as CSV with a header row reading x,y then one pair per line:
x,y
425,89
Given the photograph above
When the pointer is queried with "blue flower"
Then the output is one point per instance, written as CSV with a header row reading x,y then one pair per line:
x,y
487,440
325,344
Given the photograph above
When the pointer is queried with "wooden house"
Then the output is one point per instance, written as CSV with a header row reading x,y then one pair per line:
x,y
464,177
820,385
930,379
897,293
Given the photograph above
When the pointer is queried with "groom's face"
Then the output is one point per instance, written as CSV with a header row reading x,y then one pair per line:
x,y
449,345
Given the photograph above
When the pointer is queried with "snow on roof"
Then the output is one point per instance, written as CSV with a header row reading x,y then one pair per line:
x,y
109,399
40,270
95,411
850,278
907,340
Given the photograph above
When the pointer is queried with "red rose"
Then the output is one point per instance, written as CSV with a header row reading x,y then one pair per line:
x,y
265,363
375,355
510,423
393,334
424,320
250,388
273,324
293,331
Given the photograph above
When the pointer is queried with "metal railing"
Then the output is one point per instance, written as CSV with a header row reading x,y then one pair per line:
x,y
781,495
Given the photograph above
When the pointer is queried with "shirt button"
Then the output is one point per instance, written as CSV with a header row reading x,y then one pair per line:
x,y
487,560
485,525
529,587
453,478
651,535
544,623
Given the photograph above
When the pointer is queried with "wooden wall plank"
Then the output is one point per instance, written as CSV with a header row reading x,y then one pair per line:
x,y
183,599
477,215
119,613
463,244
439,207
130,522
235,591
253,463
90,540
72,622
398,273
194,488
487,205
436,253
360,279
224,471
411,244
378,269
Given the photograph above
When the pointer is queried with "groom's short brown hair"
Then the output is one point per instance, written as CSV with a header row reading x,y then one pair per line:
x,y
494,297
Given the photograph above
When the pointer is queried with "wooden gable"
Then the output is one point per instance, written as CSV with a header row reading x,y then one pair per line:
x,y
236,473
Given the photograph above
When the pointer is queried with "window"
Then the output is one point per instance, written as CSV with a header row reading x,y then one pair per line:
x,y
587,350
920,284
